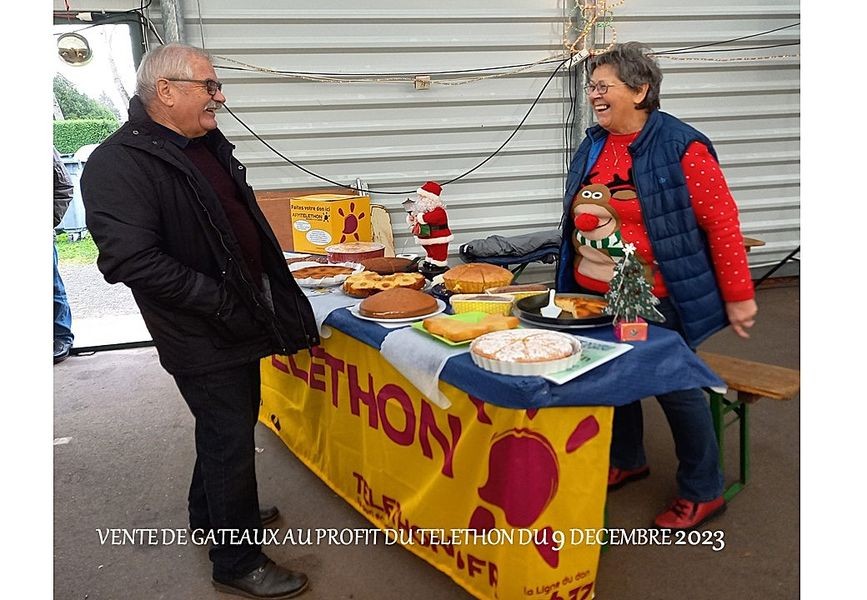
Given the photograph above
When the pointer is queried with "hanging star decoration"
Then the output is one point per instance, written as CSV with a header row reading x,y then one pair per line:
x,y
630,295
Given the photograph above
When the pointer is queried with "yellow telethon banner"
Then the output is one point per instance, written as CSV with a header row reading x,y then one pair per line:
x,y
504,501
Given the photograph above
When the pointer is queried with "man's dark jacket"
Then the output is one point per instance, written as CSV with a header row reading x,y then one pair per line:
x,y
680,246
162,231
63,189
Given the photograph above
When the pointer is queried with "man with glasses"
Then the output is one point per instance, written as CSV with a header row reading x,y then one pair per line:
x,y
170,210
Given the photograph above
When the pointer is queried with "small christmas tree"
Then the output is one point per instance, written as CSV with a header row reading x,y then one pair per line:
x,y
630,298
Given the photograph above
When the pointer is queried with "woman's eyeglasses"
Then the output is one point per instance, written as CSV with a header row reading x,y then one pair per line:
x,y
211,86
600,87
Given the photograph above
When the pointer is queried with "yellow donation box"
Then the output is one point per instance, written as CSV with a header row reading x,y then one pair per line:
x,y
320,220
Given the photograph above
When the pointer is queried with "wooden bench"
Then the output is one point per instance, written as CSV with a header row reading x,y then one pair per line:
x,y
748,381
750,243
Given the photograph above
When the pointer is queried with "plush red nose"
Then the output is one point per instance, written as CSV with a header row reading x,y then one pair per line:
x,y
586,222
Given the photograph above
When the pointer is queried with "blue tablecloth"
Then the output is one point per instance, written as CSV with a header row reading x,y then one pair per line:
x,y
662,363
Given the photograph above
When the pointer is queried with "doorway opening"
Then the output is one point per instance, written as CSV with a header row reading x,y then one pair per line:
x,y
93,81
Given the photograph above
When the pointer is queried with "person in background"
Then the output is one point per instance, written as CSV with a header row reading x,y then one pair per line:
x,y
63,338
171,213
644,177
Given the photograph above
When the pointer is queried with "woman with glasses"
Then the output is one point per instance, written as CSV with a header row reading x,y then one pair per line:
x,y
643,177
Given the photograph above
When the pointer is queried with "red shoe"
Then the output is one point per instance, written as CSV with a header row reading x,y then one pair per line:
x,y
685,514
617,478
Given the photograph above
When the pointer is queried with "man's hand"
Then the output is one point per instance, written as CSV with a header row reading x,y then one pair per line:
x,y
742,316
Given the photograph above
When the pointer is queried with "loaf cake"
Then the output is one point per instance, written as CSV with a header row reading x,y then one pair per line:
x,y
397,303
366,283
456,330
475,278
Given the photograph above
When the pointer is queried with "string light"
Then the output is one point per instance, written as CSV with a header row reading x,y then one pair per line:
x,y
590,15
395,78
728,59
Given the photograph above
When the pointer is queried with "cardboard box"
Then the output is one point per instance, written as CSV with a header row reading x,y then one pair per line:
x,y
320,220
276,206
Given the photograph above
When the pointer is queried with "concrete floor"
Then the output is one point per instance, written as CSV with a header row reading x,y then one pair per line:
x,y
124,453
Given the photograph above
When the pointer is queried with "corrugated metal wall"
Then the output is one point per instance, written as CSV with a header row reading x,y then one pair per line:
x,y
394,138
390,135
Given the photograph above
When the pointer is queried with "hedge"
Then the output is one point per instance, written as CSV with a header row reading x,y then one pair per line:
x,y
72,134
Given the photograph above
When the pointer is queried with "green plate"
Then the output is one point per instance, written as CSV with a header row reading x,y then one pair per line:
x,y
467,317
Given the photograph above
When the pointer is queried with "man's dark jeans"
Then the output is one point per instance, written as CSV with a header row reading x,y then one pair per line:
x,y
223,492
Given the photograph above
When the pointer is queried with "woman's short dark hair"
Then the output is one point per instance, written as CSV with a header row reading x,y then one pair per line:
x,y
635,66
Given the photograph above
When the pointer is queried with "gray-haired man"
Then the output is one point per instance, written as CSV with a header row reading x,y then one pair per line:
x,y
170,210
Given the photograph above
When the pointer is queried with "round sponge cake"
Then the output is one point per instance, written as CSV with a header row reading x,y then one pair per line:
x,y
397,303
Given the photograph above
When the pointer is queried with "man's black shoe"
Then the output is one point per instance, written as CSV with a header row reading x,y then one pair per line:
x,y
268,514
61,350
268,581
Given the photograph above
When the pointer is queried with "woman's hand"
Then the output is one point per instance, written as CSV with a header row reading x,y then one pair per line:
x,y
742,316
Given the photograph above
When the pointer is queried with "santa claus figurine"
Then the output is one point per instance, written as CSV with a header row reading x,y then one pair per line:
x,y
430,224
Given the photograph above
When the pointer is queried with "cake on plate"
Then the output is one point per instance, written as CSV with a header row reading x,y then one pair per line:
x,y
321,271
386,265
525,351
398,303
582,307
475,278
367,283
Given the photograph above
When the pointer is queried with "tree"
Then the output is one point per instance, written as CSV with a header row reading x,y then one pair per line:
x,y
630,295
76,105
108,103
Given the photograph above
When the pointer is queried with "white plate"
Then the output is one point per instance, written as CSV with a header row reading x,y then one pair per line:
x,y
323,281
441,306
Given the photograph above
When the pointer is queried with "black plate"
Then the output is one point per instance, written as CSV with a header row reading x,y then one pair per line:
x,y
527,309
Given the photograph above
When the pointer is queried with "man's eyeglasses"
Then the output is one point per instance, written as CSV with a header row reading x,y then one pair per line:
x,y
211,86
600,87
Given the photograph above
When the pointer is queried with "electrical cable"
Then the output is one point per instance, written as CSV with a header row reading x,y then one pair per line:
x,y
103,18
737,39
508,139
201,24
568,122
402,193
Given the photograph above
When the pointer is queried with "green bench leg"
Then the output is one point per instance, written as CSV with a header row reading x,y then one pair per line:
x,y
516,272
720,406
